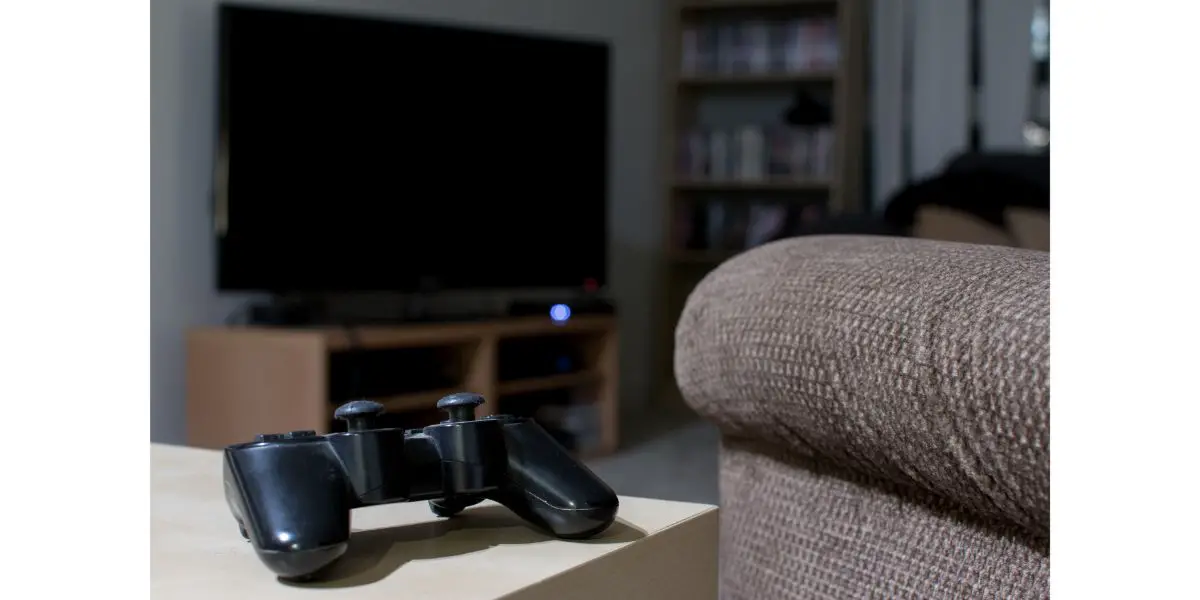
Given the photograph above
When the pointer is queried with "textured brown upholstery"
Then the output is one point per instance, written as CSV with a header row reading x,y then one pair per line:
x,y
884,409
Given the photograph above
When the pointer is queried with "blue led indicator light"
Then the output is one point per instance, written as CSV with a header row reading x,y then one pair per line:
x,y
559,313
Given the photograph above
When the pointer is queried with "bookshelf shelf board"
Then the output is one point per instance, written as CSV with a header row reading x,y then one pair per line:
x,y
734,185
766,79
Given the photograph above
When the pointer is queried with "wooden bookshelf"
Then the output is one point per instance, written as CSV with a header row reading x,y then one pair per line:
x,y
242,381
845,85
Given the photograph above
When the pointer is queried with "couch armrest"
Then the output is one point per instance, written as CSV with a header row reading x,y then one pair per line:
x,y
920,362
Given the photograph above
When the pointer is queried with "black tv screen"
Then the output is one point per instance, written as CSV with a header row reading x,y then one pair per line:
x,y
363,154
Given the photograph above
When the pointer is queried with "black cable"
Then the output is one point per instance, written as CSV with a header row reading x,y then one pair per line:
x,y
908,23
976,72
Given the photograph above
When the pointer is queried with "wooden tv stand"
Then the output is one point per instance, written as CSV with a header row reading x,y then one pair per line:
x,y
242,381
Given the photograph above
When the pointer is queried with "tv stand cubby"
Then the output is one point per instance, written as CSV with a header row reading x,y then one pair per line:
x,y
242,381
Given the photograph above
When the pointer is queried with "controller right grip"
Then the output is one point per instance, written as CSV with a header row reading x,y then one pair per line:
x,y
549,488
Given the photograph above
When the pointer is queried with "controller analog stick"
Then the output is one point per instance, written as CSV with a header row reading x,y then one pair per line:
x,y
359,415
460,406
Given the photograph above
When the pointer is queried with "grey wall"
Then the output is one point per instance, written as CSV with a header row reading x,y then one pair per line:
x,y
941,110
182,125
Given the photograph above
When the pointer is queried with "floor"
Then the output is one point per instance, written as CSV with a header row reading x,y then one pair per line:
x,y
671,457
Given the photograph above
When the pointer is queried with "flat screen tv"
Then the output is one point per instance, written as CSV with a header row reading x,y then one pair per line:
x,y
365,154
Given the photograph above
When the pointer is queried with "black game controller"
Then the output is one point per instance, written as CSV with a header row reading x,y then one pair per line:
x,y
292,493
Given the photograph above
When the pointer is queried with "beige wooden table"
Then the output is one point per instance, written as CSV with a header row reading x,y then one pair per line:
x,y
657,549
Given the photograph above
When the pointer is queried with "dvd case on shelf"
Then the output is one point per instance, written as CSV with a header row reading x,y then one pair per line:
x,y
733,223
715,225
720,154
698,50
684,229
821,154
794,46
694,154
806,45
751,154
830,44
754,153
730,49
757,46
756,37
779,160
799,150
768,222
726,226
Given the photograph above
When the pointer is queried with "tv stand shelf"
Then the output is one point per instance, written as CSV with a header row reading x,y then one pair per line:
x,y
242,381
